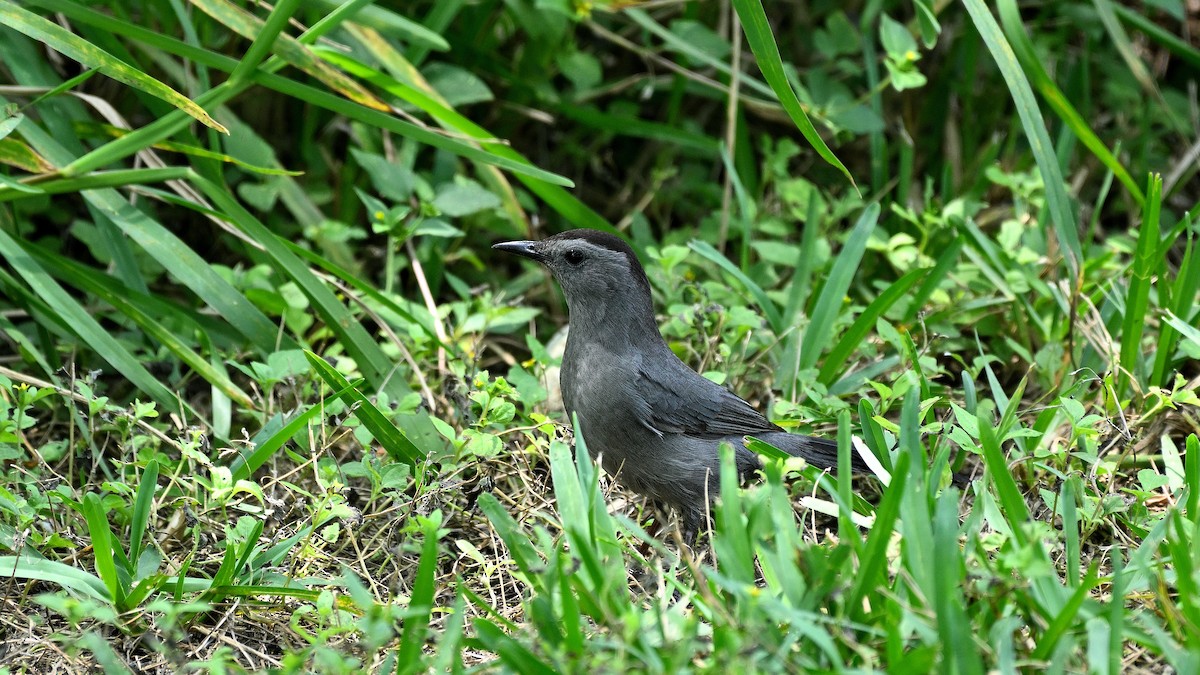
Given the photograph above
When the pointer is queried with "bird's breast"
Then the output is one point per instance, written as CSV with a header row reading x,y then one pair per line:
x,y
600,388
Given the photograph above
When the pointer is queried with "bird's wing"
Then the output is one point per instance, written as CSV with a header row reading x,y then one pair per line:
x,y
680,401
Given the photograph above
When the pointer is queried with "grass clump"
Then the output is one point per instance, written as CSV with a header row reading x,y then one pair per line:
x,y
269,402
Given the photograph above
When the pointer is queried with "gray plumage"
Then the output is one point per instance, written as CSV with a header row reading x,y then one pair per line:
x,y
655,423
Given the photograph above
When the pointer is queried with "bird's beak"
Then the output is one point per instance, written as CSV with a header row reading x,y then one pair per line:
x,y
527,249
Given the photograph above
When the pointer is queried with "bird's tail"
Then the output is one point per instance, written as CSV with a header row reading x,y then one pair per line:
x,y
820,452
823,453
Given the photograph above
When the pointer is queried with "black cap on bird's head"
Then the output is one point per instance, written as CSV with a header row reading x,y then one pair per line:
x,y
591,266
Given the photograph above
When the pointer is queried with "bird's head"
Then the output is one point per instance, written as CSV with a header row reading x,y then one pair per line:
x,y
596,270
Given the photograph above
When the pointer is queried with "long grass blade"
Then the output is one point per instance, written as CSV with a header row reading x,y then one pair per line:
x,y
83,325
91,56
1010,19
102,546
1146,266
837,361
1057,202
142,506
393,440
766,51
173,254
819,332
420,603
769,309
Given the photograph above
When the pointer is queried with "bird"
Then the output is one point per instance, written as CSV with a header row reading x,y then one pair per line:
x,y
655,424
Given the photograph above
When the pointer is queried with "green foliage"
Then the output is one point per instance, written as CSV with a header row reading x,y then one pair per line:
x,y
756,602
262,379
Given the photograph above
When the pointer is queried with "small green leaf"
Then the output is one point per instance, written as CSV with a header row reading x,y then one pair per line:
x,y
896,39
436,227
458,87
464,197
582,69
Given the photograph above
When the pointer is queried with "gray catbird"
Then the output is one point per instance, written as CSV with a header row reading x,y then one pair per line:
x,y
656,424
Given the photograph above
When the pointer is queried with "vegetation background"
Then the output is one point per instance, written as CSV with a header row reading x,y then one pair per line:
x,y
268,401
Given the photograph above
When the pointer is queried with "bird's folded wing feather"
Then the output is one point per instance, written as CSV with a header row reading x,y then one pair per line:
x,y
682,402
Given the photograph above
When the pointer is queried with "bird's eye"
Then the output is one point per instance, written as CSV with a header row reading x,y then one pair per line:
x,y
574,256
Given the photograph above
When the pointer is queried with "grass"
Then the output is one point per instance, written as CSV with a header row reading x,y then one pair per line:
x,y
269,402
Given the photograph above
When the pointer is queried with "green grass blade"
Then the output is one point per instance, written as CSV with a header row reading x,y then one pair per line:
x,y
1177,46
915,517
90,56
945,263
1184,559
1192,478
798,294
420,603
573,512
838,359
390,59
523,553
766,52
1009,417
846,528
949,571
72,578
135,306
1070,530
872,434
1010,19
874,559
1066,619
572,617
1057,202
1183,294
1186,330
142,506
173,254
769,309
589,530
801,282
83,325
107,130
391,123
582,470
366,288
244,466
102,546
1116,614
265,37
393,25
389,435
103,652
554,195
241,565
1126,48
634,127
375,366
747,210
142,589
733,544
678,44
338,15
170,124
95,181
9,123
512,653
1016,513
1146,266
820,331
